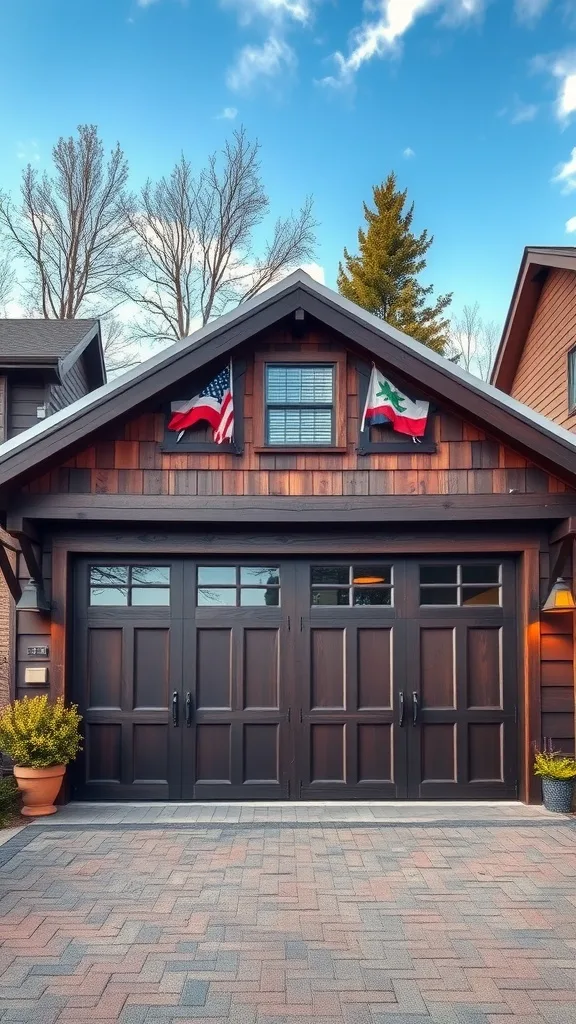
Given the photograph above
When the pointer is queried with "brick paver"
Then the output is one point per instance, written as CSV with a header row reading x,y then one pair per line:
x,y
449,923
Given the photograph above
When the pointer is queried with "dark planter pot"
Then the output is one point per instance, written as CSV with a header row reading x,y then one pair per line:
x,y
558,795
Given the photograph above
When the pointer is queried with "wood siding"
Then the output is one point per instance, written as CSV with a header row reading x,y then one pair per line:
x,y
541,380
129,458
74,386
24,397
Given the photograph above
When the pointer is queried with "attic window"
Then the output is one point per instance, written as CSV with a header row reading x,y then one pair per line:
x,y
300,404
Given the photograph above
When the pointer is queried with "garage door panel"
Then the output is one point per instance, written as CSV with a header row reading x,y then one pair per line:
x,y
374,668
104,668
103,752
484,667
485,752
261,752
327,752
213,752
438,752
150,755
261,668
213,668
438,667
327,672
374,753
151,667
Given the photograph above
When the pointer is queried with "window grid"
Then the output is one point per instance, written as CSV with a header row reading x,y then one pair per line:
x,y
346,591
299,404
228,586
125,586
456,587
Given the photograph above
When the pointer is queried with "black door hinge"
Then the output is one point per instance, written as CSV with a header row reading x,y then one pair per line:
x,y
289,714
301,719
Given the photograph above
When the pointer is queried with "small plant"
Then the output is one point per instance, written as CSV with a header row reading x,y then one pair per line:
x,y
38,734
552,764
9,799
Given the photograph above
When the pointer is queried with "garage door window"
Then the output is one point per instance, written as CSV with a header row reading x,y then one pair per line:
x,y
351,585
129,585
238,586
461,585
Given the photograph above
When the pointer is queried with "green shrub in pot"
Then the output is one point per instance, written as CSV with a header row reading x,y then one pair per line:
x,y
558,773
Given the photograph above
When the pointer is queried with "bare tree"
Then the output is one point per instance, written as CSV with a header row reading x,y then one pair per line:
x,y
195,240
473,341
121,349
70,230
7,282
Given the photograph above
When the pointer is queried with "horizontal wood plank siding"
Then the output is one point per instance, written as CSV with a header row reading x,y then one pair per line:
x,y
74,386
541,380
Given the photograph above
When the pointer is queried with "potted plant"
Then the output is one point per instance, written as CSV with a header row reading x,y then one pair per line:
x,y
558,773
41,738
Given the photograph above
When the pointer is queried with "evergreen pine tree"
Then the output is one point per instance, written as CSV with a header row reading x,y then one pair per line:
x,y
383,278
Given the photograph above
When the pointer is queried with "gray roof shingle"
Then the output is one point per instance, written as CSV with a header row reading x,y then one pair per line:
x,y
41,339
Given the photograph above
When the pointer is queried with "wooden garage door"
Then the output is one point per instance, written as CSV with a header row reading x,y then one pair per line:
x,y
388,678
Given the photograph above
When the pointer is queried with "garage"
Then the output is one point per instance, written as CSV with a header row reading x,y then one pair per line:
x,y
296,679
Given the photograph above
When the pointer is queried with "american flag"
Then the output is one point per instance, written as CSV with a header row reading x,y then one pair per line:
x,y
214,404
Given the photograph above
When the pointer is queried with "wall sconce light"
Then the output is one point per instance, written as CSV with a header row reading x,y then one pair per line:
x,y
33,598
560,598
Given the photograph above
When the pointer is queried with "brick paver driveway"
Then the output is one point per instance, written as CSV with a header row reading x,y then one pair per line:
x,y
452,923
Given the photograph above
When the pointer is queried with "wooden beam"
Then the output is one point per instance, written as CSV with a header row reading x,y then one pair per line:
x,y
9,574
560,558
385,509
564,529
30,558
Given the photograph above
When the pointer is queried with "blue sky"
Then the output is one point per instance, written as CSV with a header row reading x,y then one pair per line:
x,y
470,101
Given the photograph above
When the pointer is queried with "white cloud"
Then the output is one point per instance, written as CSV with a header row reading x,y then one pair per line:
x,y
273,58
562,67
571,226
566,173
382,35
408,153
277,10
28,150
227,114
519,112
530,10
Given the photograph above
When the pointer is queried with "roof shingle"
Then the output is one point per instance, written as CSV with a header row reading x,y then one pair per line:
x,y
42,339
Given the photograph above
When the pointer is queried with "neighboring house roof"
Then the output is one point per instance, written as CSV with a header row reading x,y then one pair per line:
x,y
539,438
536,262
52,345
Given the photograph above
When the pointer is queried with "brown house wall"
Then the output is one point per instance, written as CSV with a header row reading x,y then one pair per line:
x,y
6,602
541,380
130,460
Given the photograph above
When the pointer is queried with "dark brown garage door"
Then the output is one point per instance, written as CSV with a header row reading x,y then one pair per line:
x,y
330,680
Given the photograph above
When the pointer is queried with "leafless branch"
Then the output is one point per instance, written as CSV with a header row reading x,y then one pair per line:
x,y
473,341
121,350
194,255
70,230
7,282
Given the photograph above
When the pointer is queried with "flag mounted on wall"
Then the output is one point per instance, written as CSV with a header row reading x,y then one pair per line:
x,y
386,404
214,404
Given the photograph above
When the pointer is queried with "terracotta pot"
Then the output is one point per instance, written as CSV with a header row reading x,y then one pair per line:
x,y
39,788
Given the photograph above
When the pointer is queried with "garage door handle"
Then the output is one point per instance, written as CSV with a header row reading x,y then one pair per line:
x,y
175,708
415,707
188,709
401,706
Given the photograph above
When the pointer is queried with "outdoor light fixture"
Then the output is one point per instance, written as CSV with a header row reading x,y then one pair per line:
x,y
33,598
560,598
368,579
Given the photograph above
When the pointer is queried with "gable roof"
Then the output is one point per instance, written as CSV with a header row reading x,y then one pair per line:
x,y
52,345
539,438
536,262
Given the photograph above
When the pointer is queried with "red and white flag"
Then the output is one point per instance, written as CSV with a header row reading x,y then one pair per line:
x,y
214,404
386,404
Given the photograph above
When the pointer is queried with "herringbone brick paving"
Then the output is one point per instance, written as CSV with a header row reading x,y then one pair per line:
x,y
363,924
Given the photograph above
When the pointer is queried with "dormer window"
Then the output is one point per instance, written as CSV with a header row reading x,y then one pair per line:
x,y
300,404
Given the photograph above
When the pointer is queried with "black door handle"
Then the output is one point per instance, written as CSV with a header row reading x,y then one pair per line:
x,y
401,707
188,709
175,708
415,707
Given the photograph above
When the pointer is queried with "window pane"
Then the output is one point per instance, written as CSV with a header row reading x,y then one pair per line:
x,y
480,595
109,596
438,595
372,574
372,595
151,595
438,574
299,385
333,574
300,426
216,596
330,597
480,574
108,575
259,574
261,596
159,574
217,574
